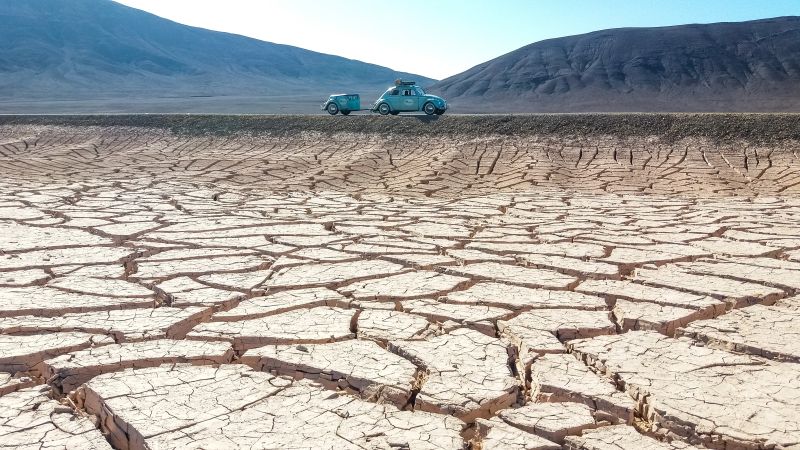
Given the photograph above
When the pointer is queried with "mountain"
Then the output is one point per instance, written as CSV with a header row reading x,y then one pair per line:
x,y
90,49
746,66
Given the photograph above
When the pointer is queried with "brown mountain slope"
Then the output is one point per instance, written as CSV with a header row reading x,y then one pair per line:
x,y
99,49
746,66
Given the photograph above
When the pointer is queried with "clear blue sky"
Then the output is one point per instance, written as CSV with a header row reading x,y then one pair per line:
x,y
443,37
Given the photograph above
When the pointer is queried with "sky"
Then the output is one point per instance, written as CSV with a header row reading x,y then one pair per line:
x,y
440,38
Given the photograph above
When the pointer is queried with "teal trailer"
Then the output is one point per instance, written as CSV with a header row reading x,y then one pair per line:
x,y
342,103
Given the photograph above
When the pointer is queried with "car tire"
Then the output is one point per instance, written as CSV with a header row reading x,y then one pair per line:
x,y
429,108
332,109
345,112
384,109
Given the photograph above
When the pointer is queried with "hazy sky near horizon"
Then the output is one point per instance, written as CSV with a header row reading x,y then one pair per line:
x,y
440,38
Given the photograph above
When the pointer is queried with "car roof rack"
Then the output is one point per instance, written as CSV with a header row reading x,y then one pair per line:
x,y
404,83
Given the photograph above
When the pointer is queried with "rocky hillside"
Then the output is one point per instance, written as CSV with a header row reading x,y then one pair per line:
x,y
83,49
747,66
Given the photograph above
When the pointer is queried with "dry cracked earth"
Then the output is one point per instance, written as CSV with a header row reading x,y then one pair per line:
x,y
169,291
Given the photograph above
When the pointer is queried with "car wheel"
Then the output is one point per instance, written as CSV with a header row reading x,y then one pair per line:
x,y
345,112
429,108
332,109
384,109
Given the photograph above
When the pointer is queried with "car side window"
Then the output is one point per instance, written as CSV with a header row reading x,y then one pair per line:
x,y
407,93
396,92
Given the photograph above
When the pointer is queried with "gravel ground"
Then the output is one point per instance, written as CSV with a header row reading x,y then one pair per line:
x,y
757,128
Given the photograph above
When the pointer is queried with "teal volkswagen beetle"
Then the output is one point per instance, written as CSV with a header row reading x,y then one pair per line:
x,y
406,96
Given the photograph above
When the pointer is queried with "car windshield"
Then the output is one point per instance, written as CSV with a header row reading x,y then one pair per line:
x,y
420,91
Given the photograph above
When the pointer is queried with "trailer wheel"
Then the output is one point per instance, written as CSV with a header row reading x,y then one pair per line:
x,y
384,109
345,112
429,108
332,109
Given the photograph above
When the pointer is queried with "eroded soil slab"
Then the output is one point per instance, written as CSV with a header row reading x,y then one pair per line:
x,y
765,270
734,292
498,435
651,316
552,421
331,274
201,407
478,317
30,419
708,307
516,275
186,262
385,325
563,323
282,302
562,378
46,301
16,237
12,382
359,367
63,257
404,286
467,373
182,291
26,352
122,325
316,325
705,395
619,437
770,332
572,266
68,371
522,298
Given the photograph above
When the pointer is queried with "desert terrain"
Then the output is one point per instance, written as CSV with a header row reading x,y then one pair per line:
x,y
596,282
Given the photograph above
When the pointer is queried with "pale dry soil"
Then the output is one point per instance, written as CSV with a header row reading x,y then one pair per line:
x,y
160,291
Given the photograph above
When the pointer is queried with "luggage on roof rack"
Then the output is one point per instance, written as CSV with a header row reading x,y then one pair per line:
x,y
404,83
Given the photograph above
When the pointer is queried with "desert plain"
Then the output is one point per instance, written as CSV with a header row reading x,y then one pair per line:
x,y
595,282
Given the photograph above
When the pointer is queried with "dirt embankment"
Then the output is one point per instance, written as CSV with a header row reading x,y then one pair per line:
x,y
753,128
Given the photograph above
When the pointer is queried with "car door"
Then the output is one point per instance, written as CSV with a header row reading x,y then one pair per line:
x,y
394,99
409,99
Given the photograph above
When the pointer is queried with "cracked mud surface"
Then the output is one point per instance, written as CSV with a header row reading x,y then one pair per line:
x,y
358,290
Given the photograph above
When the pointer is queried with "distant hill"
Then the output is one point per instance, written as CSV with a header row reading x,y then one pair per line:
x,y
747,66
89,49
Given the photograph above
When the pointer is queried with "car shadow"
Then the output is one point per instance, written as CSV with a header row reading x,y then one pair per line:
x,y
426,119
